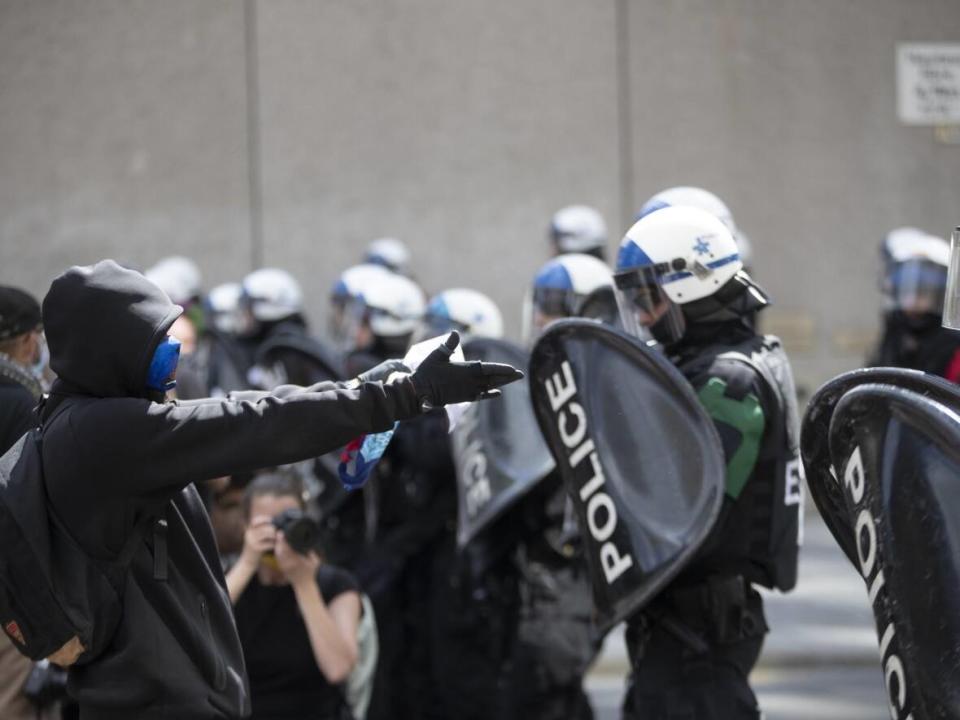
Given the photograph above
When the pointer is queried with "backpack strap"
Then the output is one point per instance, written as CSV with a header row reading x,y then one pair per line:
x,y
49,408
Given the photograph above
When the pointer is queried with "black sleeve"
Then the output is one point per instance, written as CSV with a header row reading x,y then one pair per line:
x,y
16,416
129,447
334,581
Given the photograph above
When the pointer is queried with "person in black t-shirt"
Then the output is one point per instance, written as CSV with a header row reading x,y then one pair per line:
x,y
297,618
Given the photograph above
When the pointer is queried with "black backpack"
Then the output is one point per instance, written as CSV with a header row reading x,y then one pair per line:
x,y
51,590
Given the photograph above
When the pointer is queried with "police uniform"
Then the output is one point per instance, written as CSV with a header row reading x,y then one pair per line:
x,y
693,647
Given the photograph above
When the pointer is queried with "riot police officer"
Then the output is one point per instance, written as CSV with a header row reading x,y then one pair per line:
x,y
692,647
374,314
913,282
273,326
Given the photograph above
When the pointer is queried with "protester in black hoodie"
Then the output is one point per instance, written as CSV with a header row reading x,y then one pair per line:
x,y
115,455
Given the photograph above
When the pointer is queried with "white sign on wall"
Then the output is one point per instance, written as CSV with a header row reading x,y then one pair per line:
x,y
928,84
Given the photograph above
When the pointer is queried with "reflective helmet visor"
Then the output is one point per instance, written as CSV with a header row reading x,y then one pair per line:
x,y
646,308
347,316
917,287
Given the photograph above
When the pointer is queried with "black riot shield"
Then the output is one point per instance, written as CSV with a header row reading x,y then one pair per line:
x,y
498,450
640,458
814,449
897,459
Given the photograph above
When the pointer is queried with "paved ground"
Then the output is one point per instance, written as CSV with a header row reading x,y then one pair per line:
x,y
830,693
820,661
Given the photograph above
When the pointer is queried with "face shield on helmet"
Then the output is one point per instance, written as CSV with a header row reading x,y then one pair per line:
x,y
668,259
645,308
371,305
917,287
469,312
916,278
346,323
560,290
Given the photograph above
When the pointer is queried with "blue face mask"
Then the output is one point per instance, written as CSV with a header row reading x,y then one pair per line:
x,y
160,376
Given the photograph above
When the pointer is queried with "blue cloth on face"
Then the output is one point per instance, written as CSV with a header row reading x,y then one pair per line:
x,y
160,376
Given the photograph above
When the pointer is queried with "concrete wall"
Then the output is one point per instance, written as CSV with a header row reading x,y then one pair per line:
x,y
292,132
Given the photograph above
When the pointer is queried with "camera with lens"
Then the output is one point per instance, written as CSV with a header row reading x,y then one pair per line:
x,y
301,531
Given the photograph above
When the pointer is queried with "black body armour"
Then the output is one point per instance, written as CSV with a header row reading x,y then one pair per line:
x,y
759,534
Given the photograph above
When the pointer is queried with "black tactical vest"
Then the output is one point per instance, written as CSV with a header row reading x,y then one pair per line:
x,y
763,531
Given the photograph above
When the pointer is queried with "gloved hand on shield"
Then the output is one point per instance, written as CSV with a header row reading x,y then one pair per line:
x,y
439,381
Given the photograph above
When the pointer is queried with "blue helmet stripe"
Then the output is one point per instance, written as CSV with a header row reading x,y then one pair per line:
x,y
651,207
723,261
631,256
438,307
554,276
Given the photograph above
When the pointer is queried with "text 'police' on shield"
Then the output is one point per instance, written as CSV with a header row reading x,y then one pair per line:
x,y
595,504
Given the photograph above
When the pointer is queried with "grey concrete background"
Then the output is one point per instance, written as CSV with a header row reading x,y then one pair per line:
x,y
291,132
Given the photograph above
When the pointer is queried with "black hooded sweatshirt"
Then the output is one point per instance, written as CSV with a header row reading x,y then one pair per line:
x,y
113,456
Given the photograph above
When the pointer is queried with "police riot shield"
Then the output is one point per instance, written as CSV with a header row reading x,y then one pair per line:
x,y
639,456
498,450
814,449
897,457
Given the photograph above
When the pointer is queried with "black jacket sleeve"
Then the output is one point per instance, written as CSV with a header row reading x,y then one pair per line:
x,y
129,447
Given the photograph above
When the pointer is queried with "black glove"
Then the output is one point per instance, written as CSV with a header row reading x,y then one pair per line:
x,y
438,381
380,373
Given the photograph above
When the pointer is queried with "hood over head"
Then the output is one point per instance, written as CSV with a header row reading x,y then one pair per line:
x,y
103,323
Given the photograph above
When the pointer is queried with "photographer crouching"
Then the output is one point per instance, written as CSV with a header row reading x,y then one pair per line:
x,y
296,616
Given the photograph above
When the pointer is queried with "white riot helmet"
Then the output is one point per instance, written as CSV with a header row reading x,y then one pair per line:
x,y
565,287
389,252
271,294
673,258
469,312
371,297
179,277
690,196
916,276
223,307
578,229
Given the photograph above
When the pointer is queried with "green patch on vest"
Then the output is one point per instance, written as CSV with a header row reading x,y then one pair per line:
x,y
745,416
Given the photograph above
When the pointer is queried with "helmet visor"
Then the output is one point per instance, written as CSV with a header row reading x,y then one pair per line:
x,y
951,305
645,309
346,319
917,287
548,304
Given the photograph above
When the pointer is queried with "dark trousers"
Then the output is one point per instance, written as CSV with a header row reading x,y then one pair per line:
x,y
674,679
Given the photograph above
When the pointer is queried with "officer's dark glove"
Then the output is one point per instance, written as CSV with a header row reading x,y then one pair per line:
x,y
381,372
438,381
